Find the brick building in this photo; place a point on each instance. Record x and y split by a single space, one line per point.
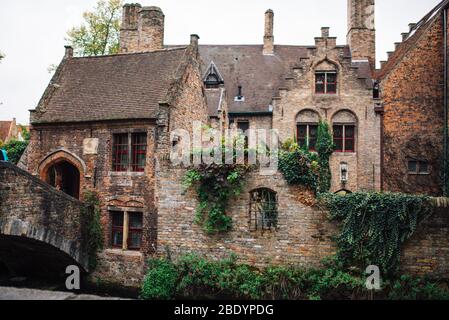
104 124
10 130
414 104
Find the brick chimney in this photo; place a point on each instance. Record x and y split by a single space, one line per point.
268 39
361 36
142 29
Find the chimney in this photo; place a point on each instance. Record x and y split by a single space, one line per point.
361 36
142 29
68 52
151 29
129 35
325 32
194 38
268 39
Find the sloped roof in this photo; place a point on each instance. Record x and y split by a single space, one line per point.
260 75
5 127
416 33
117 87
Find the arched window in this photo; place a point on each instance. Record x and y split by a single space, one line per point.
345 131
307 129
326 78
263 209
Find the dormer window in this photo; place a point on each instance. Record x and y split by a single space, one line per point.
326 82
212 78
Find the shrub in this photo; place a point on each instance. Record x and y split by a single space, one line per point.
160 281
15 150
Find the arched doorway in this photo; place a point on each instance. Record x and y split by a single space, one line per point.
64 176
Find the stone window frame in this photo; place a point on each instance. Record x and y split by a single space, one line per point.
130 165
326 82
354 122
308 123
125 228
256 215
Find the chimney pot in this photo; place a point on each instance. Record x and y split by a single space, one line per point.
325 32
68 52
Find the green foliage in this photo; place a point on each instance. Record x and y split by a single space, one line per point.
410 288
92 230
160 281
15 150
325 147
375 225
215 185
195 277
2 56
99 34
302 167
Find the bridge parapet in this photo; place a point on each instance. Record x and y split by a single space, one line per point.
32 209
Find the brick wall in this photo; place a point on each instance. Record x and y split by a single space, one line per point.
412 96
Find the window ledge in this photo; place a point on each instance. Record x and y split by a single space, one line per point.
125 253
125 174
419 174
342 154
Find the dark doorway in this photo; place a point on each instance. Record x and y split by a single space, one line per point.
65 177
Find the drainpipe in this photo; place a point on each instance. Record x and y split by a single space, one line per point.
446 164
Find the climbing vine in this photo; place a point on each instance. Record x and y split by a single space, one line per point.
215 185
311 169
92 230
374 226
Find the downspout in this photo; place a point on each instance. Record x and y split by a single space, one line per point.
445 157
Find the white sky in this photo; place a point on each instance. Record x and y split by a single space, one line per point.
32 33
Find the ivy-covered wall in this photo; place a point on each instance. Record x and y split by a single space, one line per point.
304 235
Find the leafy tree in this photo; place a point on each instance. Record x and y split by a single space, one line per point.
1 56
15 149
99 34
325 147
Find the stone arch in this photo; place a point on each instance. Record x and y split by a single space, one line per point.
69 160
326 64
345 116
71 250
308 116
306 128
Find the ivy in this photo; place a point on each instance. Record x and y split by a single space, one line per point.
215 185
92 230
15 150
375 225
311 169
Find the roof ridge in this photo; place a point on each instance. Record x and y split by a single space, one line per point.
131 53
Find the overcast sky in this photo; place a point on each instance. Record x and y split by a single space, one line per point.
32 33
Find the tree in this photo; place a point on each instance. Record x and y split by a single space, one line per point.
1 56
99 34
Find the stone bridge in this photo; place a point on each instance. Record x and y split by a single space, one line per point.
40 227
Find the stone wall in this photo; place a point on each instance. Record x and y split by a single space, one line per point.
125 191
412 95
39 213
303 236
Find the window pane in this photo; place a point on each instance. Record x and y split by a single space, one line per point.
423 167
313 135
349 131
320 82
120 152
135 220
331 78
349 145
139 151
412 166
135 240
331 88
117 219
302 135
338 131
117 238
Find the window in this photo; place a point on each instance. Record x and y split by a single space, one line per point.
326 82
120 151
128 146
307 135
344 138
263 210
418 167
212 77
130 237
